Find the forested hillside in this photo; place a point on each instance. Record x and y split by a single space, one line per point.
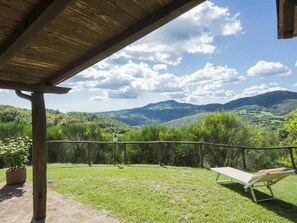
153 113
271 117
17 120
266 110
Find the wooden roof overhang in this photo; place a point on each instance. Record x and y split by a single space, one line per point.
43 43
286 18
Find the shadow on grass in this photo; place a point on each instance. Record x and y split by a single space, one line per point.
280 207
10 191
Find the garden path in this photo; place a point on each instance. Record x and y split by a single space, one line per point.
16 206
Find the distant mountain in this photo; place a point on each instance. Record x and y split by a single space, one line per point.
153 113
265 100
261 109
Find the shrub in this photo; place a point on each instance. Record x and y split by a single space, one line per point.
15 152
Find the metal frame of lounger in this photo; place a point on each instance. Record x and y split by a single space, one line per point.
267 179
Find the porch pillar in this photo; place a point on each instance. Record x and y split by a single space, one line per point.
39 157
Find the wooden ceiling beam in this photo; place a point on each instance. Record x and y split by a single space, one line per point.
42 14
20 86
140 29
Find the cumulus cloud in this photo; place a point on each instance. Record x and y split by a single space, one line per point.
75 86
126 93
206 97
133 79
114 82
176 95
193 32
98 98
165 83
273 83
260 89
264 68
211 74
158 67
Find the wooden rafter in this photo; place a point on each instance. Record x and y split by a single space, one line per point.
33 87
43 13
143 27
286 16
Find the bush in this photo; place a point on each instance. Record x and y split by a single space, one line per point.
15 152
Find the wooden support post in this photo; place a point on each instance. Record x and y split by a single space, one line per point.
243 158
39 157
292 159
125 154
89 154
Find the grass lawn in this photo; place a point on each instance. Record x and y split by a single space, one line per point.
143 193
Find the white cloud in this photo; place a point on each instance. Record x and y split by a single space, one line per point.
273 83
206 97
217 20
259 89
210 73
193 32
125 93
114 82
165 83
98 98
158 67
82 85
133 79
176 95
264 68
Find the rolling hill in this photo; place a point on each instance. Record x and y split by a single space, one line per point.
159 112
54 118
264 109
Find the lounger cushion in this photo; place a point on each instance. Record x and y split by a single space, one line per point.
276 170
262 173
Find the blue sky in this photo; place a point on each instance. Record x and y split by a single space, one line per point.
217 52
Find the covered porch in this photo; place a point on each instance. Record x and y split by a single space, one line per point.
44 43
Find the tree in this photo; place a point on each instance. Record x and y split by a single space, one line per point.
289 137
223 128
290 129
145 153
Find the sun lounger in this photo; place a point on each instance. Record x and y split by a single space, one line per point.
261 178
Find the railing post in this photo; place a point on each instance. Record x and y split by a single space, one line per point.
125 153
195 154
89 154
292 159
159 153
201 155
114 153
243 159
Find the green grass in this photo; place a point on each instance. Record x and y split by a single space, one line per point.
172 194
